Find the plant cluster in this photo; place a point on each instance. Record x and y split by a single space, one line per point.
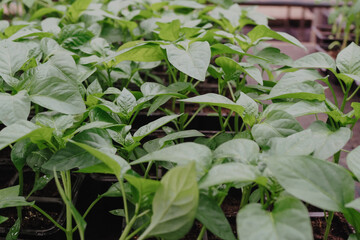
76 75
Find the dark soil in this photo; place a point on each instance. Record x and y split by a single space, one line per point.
32 219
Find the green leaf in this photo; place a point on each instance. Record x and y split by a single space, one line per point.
149 89
14 132
277 124
152 126
76 9
44 11
262 32
20 151
14 230
3 219
193 61
13 56
182 154
230 67
73 156
53 85
300 143
174 205
9 197
354 204
126 101
213 99
180 135
117 164
326 141
169 31
315 60
289 218
240 150
353 161
228 173
300 84
320 183
213 218
297 109
144 186
14 108
73 36
348 60
251 108
137 51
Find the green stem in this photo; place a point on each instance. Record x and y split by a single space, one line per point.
66 178
21 192
348 87
245 196
49 217
146 175
337 157
353 94
89 209
220 119
201 234
130 224
194 115
332 91
236 122
137 231
124 200
328 225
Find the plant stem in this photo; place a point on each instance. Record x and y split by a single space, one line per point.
194 115
124 200
146 175
21 190
220 119
348 87
337 157
130 224
49 217
66 178
328 225
353 94
245 196
332 91
201 234
236 122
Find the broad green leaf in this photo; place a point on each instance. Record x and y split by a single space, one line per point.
155 89
126 101
16 131
213 218
240 150
228 173
193 61
44 11
277 124
144 186
179 135
174 205
3 219
182 154
28 32
315 60
186 4
140 51
14 107
213 99
353 161
13 56
271 55
288 220
169 31
73 36
306 90
320 183
20 151
354 204
348 60
220 48
152 126
230 66
251 108
298 109
53 86
261 32
14 231
300 143
326 141
117 164
9 197
76 9
51 25
73 156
